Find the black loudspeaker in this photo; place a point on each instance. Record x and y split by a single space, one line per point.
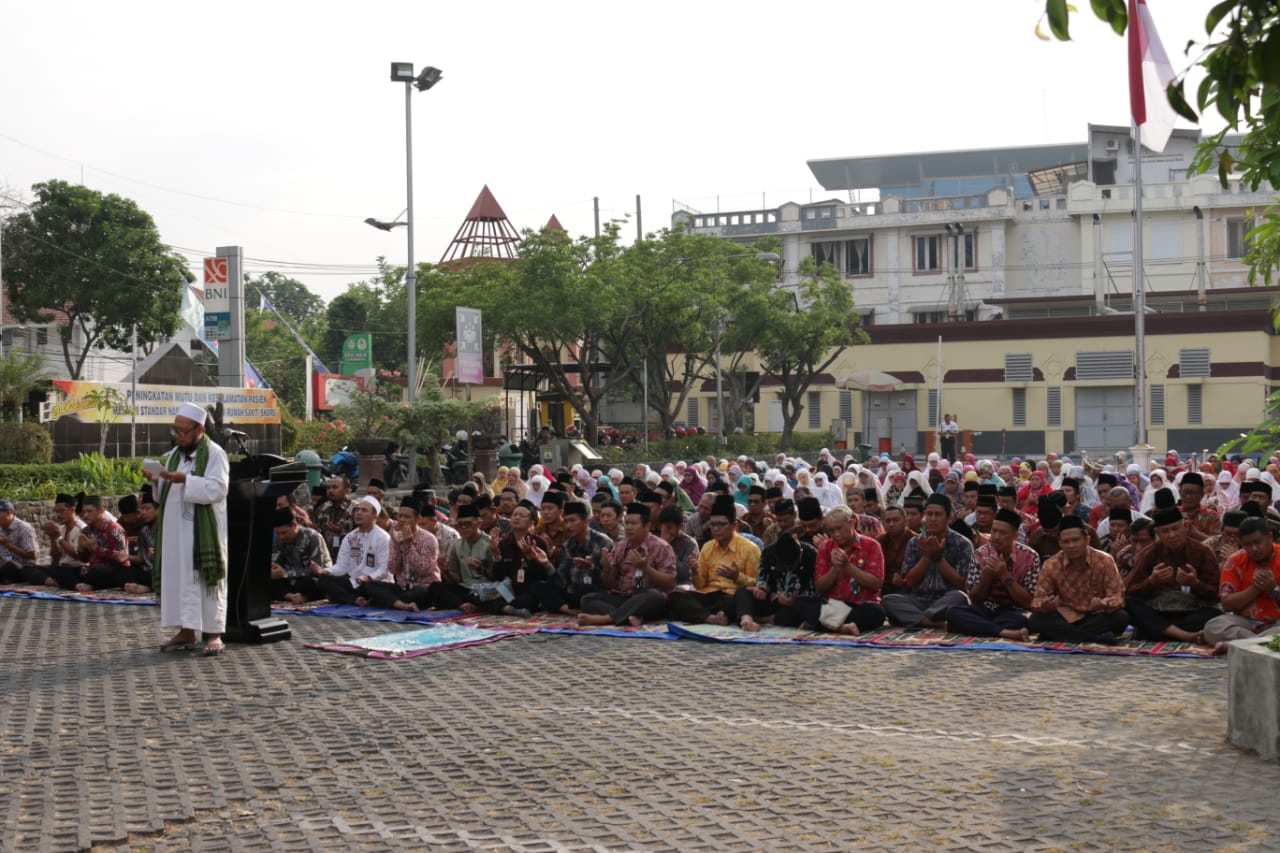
251 503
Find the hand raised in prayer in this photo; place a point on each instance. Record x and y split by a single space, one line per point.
1096 604
120 556
898 579
536 554
727 572
52 529
759 592
1162 574
1186 575
582 562
931 546
277 572
316 568
1264 580
839 560
635 558
818 539
993 567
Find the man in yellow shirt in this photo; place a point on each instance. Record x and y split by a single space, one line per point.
726 564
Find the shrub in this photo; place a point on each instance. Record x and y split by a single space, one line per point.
324 437
25 444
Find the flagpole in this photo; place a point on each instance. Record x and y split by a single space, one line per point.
1139 294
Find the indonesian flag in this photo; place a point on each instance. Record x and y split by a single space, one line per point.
1149 76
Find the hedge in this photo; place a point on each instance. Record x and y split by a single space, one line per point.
24 444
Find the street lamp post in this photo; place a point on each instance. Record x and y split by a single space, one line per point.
402 72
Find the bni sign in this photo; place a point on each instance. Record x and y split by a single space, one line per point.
217 300
470 346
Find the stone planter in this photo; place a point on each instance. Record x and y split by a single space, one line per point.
1253 697
371 449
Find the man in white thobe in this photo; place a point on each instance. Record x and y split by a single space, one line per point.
186 601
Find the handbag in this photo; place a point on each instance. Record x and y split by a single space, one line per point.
834 613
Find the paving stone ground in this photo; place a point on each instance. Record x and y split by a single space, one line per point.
549 743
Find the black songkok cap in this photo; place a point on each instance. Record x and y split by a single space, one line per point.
282 517
786 506
1166 517
871 494
637 508
481 501
1107 479
725 506
809 508
128 504
415 503
91 500
972 486
786 551
554 497
943 501
1070 522
772 492
468 511
1191 478
1010 518
1233 517
1265 488
1120 514
987 501
375 483
758 490
988 489
1008 492
578 508
1165 499
1049 514
1072 482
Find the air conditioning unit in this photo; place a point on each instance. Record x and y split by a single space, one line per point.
1113 145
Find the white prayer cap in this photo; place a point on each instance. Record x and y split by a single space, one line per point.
192 412
373 502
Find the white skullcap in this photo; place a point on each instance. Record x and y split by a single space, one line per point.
373 502
192 412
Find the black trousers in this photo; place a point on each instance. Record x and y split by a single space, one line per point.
21 571
1150 624
648 605
338 589
545 595
868 616
801 610
451 596
1092 628
977 620
687 606
305 586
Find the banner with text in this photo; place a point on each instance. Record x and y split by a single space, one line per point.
158 404
470 346
217 300
357 352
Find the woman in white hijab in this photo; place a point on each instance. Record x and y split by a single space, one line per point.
915 480
538 487
1228 492
778 479
867 479
1156 480
826 493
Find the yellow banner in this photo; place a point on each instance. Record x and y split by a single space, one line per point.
157 404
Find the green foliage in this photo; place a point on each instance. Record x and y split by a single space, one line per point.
288 433
20 374
431 421
25 443
763 445
109 404
324 436
279 357
289 296
99 259
370 413
90 474
1241 81
1262 439
376 306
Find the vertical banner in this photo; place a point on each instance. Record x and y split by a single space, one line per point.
470 346
357 353
217 300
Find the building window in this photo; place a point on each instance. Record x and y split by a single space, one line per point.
693 413
1053 406
970 315
1018 367
1238 242
1104 364
857 256
815 410
846 406
1195 411
1193 363
825 252
926 254
1019 407
934 419
965 249
42 336
1157 405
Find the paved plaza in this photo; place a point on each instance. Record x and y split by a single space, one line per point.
546 743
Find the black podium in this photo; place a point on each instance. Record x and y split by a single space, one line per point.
251 502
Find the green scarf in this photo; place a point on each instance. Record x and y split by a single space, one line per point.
207 555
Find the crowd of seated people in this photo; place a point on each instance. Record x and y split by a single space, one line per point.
1184 552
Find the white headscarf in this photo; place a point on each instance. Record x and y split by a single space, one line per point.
915 480
1149 495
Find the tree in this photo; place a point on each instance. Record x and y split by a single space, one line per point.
431 421
376 306
109 404
800 332
20 374
1242 82
278 356
289 296
97 259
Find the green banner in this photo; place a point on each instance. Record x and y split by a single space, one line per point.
357 353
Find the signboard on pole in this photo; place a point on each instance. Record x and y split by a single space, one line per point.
357 353
470 346
217 300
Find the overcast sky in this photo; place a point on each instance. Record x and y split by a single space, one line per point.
275 126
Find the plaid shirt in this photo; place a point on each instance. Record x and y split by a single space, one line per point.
110 538
658 554
335 513
1077 588
417 562
571 577
23 535
1024 566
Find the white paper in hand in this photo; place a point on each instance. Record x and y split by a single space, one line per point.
152 466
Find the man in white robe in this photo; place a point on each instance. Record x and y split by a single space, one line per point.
187 602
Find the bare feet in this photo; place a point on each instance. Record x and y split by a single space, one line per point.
746 623
136 589
83 587
405 605
295 598
594 619
1220 649
50 582
1022 635
361 601
849 629
717 619
636 621
567 610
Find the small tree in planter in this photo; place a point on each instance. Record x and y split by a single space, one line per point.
430 421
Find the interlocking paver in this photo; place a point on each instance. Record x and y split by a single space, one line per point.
580 743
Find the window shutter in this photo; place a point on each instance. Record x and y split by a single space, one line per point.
846 406
1104 364
1194 400
933 407
693 412
1053 407
1018 367
1019 406
1157 405
1194 363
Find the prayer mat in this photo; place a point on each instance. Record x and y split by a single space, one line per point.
401 645
559 623
366 614
898 638
53 593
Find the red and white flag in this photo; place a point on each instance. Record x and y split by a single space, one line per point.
1149 76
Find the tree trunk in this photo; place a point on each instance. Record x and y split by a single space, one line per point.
791 411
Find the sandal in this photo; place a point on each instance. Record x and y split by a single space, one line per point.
211 649
177 644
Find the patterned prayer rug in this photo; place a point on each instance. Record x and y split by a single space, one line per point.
898 638
53 593
401 645
558 623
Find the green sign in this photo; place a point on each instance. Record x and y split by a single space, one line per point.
357 353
